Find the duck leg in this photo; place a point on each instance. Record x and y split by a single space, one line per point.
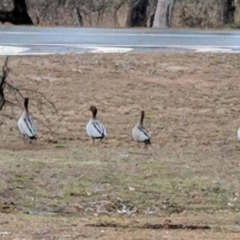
100 140
24 138
146 146
93 141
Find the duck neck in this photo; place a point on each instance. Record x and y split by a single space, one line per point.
94 113
26 105
142 117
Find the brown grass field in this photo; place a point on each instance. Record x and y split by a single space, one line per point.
185 187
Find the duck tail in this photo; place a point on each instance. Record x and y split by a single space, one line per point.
147 142
33 137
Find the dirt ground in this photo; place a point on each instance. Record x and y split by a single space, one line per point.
61 187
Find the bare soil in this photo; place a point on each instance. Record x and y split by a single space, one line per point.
185 187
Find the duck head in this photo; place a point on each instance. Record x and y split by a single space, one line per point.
93 109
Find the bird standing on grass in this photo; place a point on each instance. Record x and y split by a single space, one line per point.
26 123
94 128
140 133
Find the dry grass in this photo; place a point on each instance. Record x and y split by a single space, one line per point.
190 176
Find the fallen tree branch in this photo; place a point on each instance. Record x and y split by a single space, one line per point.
5 72
13 95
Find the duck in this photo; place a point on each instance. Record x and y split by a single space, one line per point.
26 124
140 133
94 128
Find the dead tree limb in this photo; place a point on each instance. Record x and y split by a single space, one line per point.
13 95
3 78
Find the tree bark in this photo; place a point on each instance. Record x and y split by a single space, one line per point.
163 14
19 14
78 17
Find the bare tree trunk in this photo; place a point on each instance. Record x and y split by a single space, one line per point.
78 17
19 14
151 8
163 14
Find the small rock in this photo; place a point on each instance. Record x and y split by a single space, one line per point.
131 188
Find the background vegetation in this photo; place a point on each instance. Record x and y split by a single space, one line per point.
113 13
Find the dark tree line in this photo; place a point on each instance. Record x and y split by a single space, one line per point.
142 13
228 11
138 14
18 15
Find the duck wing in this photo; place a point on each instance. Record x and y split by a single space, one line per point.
29 127
100 128
144 131
32 123
95 129
26 126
